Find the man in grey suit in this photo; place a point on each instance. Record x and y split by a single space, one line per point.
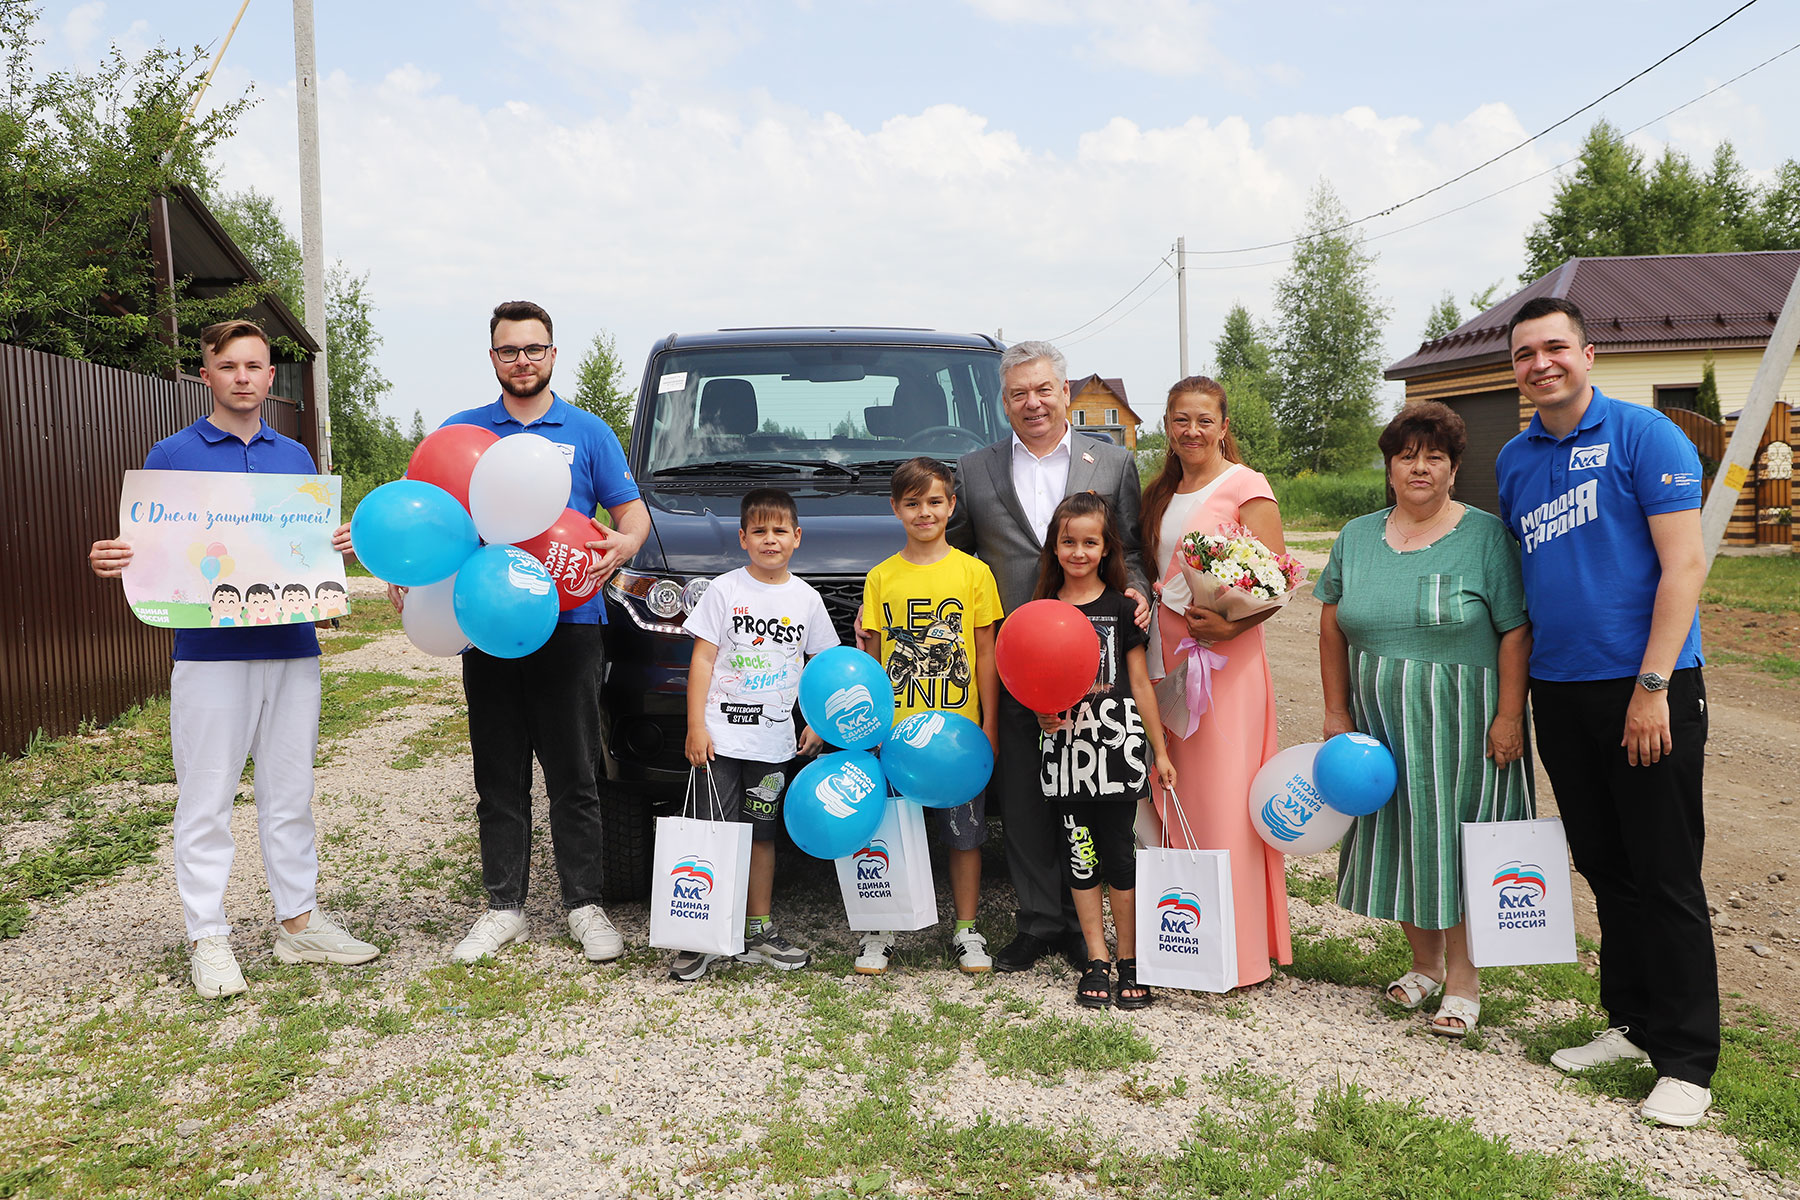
1005 494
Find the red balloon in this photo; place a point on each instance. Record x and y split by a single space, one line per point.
447 456
1048 655
563 550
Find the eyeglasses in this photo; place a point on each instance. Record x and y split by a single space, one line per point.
534 352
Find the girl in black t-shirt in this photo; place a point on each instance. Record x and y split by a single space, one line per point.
1093 756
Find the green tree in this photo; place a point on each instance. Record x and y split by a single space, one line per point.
1445 316
1244 368
1151 441
1327 344
1706 400
1253 427
1777 218
367 445
600 386
81 155
1612 205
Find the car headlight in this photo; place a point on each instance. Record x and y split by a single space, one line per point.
657 602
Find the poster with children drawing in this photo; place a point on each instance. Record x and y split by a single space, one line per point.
227 550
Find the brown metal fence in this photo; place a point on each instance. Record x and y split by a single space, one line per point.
70 650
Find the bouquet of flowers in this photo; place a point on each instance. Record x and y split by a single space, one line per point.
1234 575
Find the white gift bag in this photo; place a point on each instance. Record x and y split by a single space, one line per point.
1186 929
1516 902
887 884
700 879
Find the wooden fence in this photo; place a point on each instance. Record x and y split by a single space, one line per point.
1763 514
70 650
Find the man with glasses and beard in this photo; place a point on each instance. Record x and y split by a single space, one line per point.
547 702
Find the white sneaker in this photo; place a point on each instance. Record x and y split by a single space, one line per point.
215 968
970 949
1609 1045
1676 1102
322 941
598 939
877 948
495 928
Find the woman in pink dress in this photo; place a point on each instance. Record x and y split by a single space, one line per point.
1204 484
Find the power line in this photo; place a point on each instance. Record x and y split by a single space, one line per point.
1161 262
1096 333
1435 216
1551 170
1392 208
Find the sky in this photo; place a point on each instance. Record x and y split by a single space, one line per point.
999 166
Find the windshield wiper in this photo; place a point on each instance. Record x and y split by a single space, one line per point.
891 464
738 466
757 466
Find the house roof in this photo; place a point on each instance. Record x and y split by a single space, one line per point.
1115 386
1644 302
212 264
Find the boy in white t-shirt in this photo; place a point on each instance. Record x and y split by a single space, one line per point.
753 630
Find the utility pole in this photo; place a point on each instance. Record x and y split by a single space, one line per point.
1181 300
312 233
1739 453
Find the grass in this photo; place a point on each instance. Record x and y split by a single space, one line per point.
1327 501
1782 666
92 849
1763 583
446 735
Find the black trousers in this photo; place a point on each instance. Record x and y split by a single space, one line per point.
1637 834
1033 835
547 703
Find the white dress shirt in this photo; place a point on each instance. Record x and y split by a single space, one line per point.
1041 482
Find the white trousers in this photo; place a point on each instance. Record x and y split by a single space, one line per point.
220 713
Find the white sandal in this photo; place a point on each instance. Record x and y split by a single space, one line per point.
1456 1008
1416 986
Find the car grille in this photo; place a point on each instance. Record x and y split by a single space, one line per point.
842 595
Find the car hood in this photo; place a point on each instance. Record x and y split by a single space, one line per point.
842 532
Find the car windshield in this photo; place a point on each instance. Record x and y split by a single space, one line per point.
807 408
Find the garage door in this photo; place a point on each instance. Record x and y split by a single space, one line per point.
1493 420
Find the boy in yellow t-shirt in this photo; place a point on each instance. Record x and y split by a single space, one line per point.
930 611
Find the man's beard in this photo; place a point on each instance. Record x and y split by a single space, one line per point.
512 389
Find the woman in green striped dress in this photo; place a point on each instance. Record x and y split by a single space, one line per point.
1423 644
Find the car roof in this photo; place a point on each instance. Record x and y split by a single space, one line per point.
814 335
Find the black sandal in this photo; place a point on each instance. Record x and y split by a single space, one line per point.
1094 988
1128 980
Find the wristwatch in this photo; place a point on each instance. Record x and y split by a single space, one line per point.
1650 681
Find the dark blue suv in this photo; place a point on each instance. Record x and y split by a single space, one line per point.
826 414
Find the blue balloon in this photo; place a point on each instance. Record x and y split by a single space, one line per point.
834 805
412 533
505 601
939 759
847 699
1355 774
209 567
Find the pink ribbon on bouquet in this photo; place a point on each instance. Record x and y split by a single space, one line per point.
1203 660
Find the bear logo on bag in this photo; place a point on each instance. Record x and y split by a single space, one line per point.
691 889
1519 896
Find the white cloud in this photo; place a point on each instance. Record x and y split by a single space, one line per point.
600 40
1163 37
82 26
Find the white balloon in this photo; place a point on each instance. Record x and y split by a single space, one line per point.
430 619
1286 808
519 487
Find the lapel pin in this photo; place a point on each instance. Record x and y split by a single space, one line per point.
1086 457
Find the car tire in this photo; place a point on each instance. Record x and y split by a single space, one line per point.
627 833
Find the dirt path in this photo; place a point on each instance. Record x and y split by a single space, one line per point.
1752 792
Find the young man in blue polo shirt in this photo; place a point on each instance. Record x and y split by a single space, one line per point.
1604 498
237 692
547 702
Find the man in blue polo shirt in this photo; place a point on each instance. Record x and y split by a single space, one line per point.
549 700
1604 498
236 692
